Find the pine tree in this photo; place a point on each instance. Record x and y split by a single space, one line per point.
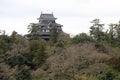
97 30
53 33
33 30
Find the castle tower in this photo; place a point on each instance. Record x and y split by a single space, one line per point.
45 22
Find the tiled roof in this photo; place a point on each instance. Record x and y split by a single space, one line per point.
47 16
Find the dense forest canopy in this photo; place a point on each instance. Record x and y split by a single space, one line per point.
84 57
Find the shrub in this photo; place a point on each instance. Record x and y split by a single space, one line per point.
108 74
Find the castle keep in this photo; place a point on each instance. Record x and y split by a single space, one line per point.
46 22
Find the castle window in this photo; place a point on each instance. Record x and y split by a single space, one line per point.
43 30
42 26
47 30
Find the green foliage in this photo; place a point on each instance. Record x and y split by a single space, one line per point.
17 38
23 73
13 36
83 57
109 74
6 38
3 46
91 77
33 30
113 34
60 44
117 77
96 30
53 34
81 38
4 41
100 48
37 49
17 59
29 60
110 34
35 45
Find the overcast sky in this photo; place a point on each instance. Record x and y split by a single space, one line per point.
74 15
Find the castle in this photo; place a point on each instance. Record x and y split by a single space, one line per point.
45 22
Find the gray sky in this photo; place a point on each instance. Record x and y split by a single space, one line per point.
74 15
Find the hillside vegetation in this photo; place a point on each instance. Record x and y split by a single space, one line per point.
83 57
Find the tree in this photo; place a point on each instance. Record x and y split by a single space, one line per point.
17 59
53 33
37 49
23 73
33 30
82 37
108 74
113 36
3 46
117 29
17 38
117 33
97 30
13 36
